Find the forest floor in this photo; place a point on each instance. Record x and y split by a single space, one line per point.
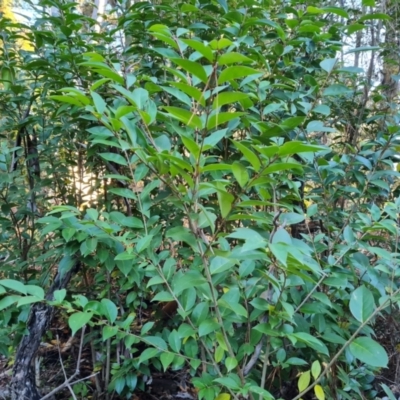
57 362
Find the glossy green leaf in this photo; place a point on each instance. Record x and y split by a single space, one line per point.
315 369
304 381
143 243
240 173
28 300
369 352
294 147
328 64
114 157
228 98
225 201
185 116
208 326
77 320
166 360
230 363
362 303
13 285
147 354
204 50
232 58
110 310
249 155
109 332
236 72
174 341
192 67
221 118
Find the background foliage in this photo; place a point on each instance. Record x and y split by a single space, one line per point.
226 181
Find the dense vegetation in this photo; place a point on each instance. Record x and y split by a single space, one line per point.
203 185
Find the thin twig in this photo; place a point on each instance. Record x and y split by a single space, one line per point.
63 370
67 382
265 365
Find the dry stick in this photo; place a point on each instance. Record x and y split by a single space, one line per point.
337 355
67 382
265 365
96 379
63 369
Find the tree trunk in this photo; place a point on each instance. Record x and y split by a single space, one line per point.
23 385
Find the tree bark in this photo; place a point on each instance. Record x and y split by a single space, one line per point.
23 385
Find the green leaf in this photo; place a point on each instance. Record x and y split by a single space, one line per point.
236 72
207 327
388 392
248 155
328 64
147 354
78 320
67 99
192 67
336 10
191 145
123 192
109 310
368 17
221 118
240 173
125 256
322 109
59 295
174 341
310 341
360 50
220 264
228 98
143 243
362 304
230 363
204 50
166 359
35 291
187 280
225 201
183 97
13 285
187 117
163 296
113 157
319 392
281 167
369 352
232 58
315 369
304 381
180 233
190 91
214 139
337 90
291 218
109 331
27 300
294 147
156 341
264 394
99 103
